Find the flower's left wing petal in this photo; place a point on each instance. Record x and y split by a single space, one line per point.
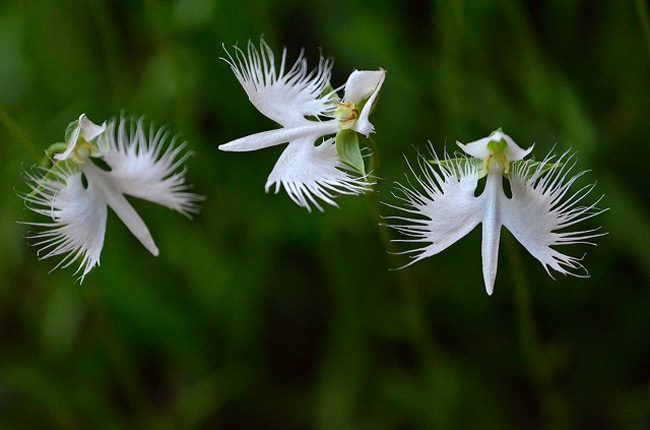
542 207
285 96
78 217
440 207
308 172
143 165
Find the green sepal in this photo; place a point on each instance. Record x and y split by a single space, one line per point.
349 151
497 146
52 150
498 130
461 164
68 131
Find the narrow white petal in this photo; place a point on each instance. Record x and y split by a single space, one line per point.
539 210
78 217
440 208
103 185
311 173
266 139
493 199
365 85
71 142
286 97
143 165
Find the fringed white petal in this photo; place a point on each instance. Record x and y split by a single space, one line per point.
143 165
542 205
266 139
78 217
440 207
285 96
309 173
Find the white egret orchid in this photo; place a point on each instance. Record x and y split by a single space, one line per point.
307 108
77 190
445 208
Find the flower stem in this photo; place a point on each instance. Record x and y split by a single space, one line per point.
17 133
540 369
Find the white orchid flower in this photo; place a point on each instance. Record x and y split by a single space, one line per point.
76 192
445 208
306 107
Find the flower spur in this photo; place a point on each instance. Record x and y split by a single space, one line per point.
76 192
307 108
444 208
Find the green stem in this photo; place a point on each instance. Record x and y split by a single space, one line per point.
17 133
540 369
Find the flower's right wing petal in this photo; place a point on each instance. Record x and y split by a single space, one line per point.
286 97
146 166
266 139
540 211
78 217
308 172
440 208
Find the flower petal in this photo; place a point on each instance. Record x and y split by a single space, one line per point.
539 208
308 172
90 130
479 148
87 129
103 184
266 139
78 216
144 166
440 207
492 200
360 86
286 97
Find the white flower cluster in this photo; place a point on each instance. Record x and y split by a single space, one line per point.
326 154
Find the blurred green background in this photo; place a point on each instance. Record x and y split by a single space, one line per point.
260 315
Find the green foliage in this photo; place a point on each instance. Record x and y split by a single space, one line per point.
260 315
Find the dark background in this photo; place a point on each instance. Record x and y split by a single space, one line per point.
260 315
